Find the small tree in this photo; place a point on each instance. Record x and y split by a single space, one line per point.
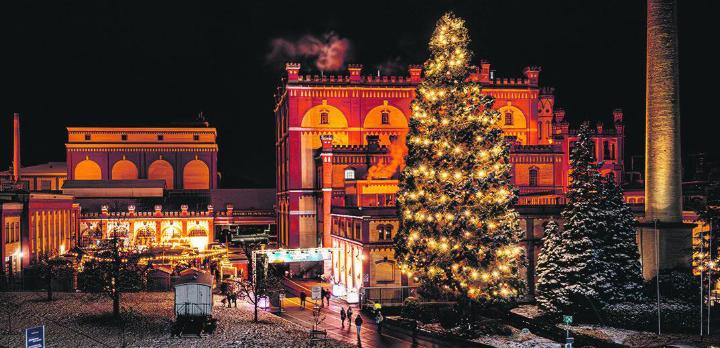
619 246
265 284
550 281
50 268
113 271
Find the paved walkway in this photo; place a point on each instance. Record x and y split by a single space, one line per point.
369 336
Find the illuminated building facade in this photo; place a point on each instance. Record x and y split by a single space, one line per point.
34 225
151 187
340 144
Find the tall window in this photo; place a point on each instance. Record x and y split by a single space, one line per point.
324 117
508 118
540 129
385 117
533 175
349 174
384 232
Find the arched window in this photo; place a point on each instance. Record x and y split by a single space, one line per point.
384 232
162 170
124 170
196 175
349 174
324 117
87 170
508 118
533 176
385 117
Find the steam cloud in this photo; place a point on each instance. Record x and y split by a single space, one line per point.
383 170
329 51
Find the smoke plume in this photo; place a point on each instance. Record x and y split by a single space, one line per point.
383 170
328 52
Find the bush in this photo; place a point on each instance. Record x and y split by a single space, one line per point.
426 312
448 317
410 308
675 316
679 285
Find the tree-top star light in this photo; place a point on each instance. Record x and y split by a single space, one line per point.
458 230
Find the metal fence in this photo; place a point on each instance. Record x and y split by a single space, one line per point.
386 296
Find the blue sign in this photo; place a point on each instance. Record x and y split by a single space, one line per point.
35 337
280 256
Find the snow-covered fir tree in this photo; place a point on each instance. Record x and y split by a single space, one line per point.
619 246
580 268
458 229
550 282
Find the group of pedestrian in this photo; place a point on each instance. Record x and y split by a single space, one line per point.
324 296
231 294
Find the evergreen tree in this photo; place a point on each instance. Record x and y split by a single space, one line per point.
458 230
551 294
579 258
620 250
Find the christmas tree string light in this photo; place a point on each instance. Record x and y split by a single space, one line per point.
458 230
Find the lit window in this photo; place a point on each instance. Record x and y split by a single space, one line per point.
349 174
540 126
385 117
508 118
533 176
384 232
324 117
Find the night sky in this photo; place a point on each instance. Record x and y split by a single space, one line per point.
76 63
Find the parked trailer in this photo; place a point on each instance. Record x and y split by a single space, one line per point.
193 303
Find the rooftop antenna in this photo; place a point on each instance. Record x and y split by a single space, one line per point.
201 116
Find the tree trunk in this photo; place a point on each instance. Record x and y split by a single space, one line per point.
49 289
256 305
116 304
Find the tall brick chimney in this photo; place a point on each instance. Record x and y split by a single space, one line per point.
16 147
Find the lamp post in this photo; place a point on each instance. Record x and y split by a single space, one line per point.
701 267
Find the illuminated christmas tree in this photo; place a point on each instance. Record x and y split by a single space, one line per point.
458 230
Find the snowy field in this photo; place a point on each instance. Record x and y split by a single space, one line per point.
83 320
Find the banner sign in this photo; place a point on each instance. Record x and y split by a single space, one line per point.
35 337
281 256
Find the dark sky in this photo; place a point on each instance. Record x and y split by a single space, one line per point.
149 63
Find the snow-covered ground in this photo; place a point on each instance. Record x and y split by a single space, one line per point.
82 320
518 339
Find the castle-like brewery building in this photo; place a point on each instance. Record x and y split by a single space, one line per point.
340 146
154 188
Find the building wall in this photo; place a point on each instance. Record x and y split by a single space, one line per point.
349 109
144 153
53 223
10 249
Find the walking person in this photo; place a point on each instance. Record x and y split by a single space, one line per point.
349 316
342 317
358 324
379 321
322 297
327 296
303 296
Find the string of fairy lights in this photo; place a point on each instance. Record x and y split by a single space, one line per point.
458 228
